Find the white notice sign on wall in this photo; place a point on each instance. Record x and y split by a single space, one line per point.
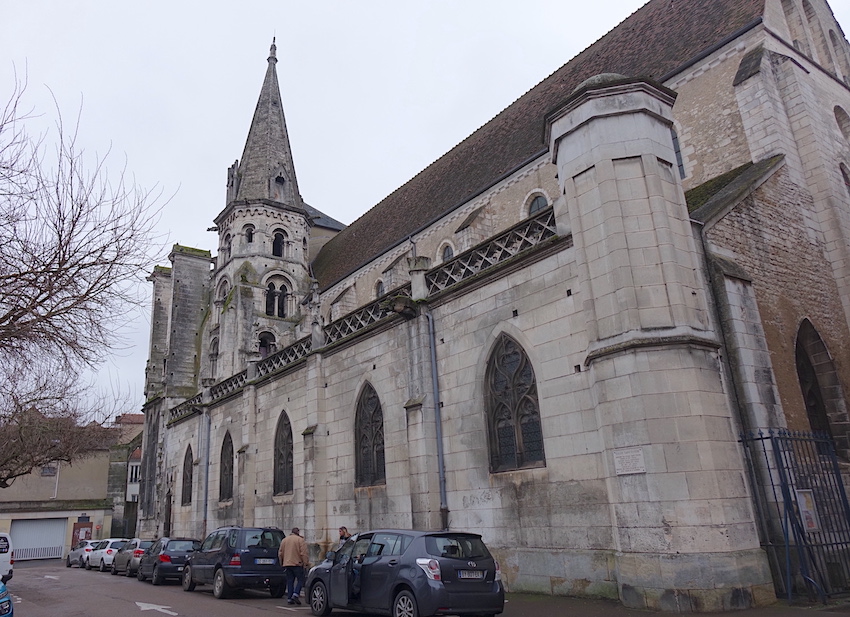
629 460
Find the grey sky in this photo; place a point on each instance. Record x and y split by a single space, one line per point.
373 91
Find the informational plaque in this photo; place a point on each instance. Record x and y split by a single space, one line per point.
629 460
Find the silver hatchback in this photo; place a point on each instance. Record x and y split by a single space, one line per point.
126 560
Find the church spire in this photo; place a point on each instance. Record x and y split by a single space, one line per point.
266 170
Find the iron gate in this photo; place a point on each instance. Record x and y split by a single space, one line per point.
802 510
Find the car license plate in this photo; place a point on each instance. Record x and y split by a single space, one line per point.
264 562
472 574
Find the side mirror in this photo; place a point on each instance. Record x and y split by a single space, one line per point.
330 556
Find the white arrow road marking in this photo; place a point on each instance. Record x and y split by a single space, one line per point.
153 607
54 578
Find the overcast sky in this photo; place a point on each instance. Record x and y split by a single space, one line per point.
373 91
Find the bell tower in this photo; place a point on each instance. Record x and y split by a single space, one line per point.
261 271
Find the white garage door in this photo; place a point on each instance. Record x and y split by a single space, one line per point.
39 538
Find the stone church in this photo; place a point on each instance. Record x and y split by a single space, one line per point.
608 330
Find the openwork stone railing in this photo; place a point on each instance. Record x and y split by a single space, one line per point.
527 234
514 241
229 385
285 356
185 409
361 318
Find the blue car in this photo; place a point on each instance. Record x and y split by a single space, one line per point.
6 607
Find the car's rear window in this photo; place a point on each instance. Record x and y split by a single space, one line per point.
117 543
263 538
182 545
456 546
146 544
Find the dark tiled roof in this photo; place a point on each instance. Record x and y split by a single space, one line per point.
657 39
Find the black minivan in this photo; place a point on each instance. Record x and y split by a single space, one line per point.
407 573
237 558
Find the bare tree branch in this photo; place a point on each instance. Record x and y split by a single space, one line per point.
75 247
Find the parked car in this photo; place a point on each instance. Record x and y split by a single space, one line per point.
408 574
165 559
103 553
7 607
237 558
79 553
7 558
127 558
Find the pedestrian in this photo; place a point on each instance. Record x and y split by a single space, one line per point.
294 558
343 536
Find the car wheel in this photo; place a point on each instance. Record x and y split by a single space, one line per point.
68 561
220 587
112 570
404 605
188 583
156 576
319 604
278 590
101 567
88 565
139 575
128 572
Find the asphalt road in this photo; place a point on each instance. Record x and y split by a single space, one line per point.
49 589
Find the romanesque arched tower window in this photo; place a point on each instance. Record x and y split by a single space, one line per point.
283 457
249 233
369 439
513 413
279 243
276 300
186 488
225 480
267 344
447 253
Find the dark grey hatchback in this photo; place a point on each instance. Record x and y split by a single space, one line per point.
408 574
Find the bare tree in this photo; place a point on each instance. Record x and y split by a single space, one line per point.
75 246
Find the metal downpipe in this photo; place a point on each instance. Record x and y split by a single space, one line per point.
438 420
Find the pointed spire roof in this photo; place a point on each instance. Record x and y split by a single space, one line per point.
266 170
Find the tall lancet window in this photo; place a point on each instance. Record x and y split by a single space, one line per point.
225 478
369 439
513 413
283 457
188 468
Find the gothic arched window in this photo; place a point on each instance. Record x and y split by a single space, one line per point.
283 458
225 482
379 289
369 439
186 489
513 412
213 357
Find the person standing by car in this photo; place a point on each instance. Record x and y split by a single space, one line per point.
343 536
294 558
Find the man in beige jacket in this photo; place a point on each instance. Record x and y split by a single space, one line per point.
294 558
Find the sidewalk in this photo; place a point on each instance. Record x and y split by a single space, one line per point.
532 605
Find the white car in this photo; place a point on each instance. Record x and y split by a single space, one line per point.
79 554
7 557
103 553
